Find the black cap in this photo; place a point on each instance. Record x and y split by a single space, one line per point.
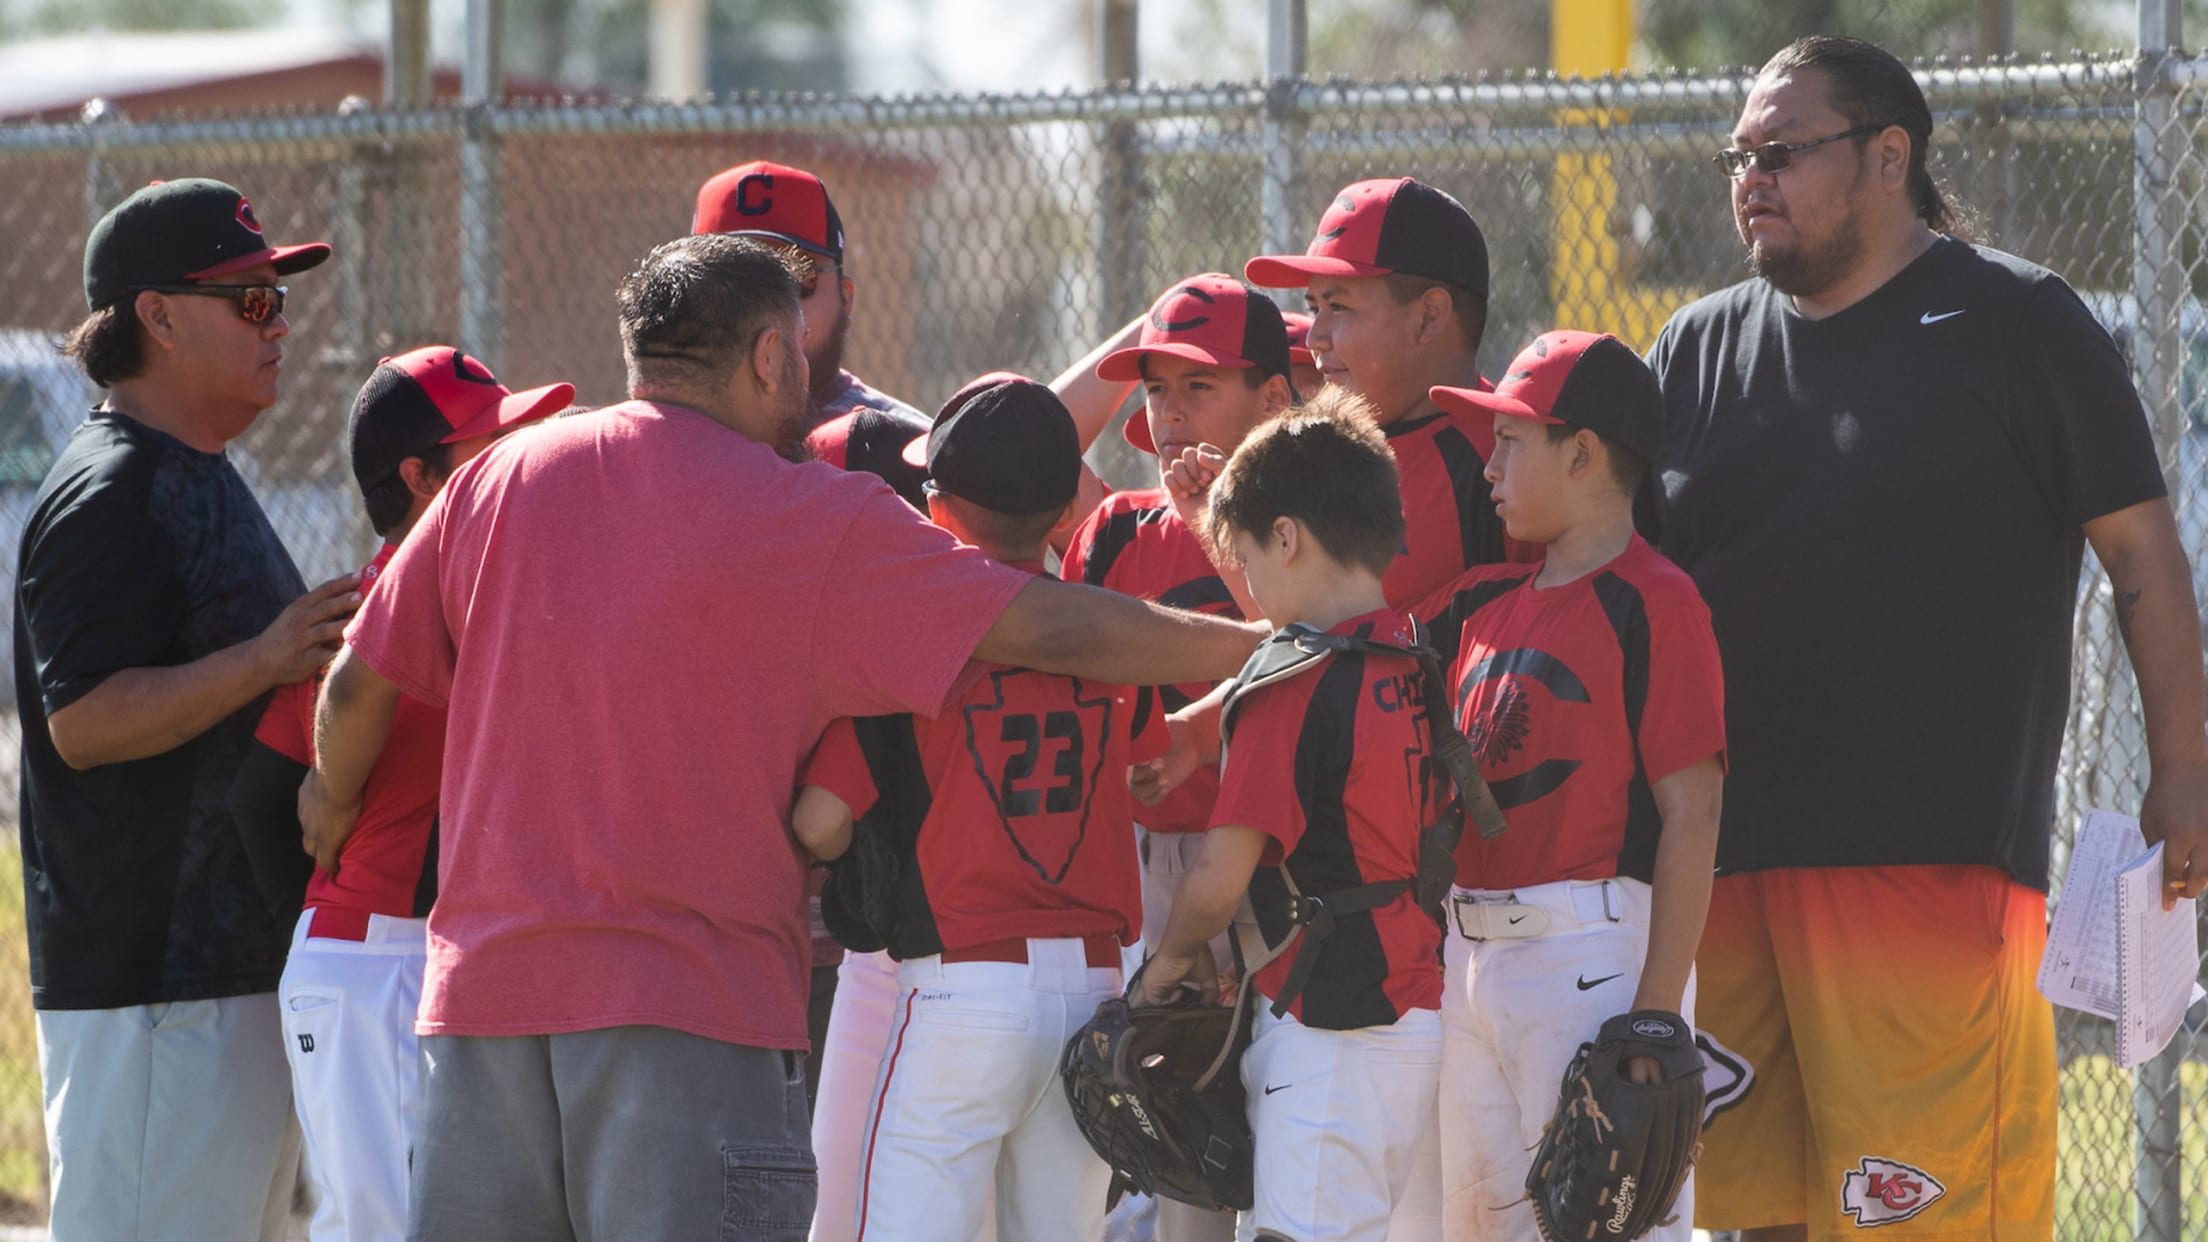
1003 442
173 231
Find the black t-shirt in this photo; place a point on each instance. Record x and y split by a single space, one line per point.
1882 510
139 552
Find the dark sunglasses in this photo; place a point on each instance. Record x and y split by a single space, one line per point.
811 284
1771 157
255 303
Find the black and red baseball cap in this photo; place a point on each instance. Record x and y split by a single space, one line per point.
169 232
1578 379
774 202
431 396
1375 228
1299 331
1213 319
1005 443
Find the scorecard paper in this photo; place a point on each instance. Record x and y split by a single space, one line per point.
2111 950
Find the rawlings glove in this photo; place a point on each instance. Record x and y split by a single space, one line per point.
1614 1156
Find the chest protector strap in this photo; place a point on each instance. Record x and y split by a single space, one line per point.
1299 649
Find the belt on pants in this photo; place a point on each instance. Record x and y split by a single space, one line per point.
1564 906
1102 952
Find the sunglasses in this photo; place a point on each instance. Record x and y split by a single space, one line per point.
1771 157
811 284
255 303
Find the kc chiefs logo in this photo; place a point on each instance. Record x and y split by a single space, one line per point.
1878 1191
1040 768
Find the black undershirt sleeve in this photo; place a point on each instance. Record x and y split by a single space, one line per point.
264 801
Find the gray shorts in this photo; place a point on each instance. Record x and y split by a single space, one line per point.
634 1132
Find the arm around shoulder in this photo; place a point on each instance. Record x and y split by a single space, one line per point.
1058 627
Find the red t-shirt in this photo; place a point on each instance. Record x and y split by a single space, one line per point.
1331 765
1137 545
389 865
1024 826
1578 699
629 617
1449 516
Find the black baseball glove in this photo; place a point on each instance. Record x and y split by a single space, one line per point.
1614 1156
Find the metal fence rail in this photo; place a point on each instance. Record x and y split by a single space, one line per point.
1015 231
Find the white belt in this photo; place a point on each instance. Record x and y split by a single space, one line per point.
1522 914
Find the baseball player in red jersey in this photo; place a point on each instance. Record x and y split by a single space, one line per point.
1213 358
353 980
1020 884
1324 789
1590 690
1397 285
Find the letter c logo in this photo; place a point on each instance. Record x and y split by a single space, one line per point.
748 204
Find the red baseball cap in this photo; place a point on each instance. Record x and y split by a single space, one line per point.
771 201
1299 331
1374 228
1213 319
1578 379
436 395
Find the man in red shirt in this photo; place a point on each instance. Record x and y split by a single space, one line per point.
628 617
353 979
1396 280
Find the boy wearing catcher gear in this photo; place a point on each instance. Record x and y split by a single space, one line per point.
1324 788
1017 885
353 980
1589 687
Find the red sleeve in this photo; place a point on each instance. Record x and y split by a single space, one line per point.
1075 562
1257 784
1684 720
1148 738
945 597
400 630
839 766
287 726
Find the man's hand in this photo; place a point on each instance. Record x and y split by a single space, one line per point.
1155 778
1188 480
324 823
1167 976
307 633
2175 813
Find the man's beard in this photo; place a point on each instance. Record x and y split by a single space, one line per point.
794 420
1807 271
827 360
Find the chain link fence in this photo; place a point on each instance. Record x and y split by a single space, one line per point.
1016 231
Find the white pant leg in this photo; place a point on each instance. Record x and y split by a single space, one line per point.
1167 858
1337 1116
1515 1015
169 1121
348 1012
850 1063
973 1059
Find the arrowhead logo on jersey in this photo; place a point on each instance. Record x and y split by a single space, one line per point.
1878 1191
1039 759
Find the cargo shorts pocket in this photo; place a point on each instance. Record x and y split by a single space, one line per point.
767 1193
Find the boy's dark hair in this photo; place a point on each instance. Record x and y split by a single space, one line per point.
1870 86
1324 463
1627 468
108 346
1011 533
1471 308
388 501
696 304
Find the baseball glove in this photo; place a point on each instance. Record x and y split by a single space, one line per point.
1158 1093
1614 1156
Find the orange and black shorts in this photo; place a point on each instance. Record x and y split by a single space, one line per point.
1879 1054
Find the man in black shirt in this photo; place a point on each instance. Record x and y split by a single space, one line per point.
154 611
1884 458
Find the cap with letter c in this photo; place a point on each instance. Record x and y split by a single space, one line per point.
1375 228
193 228
1212 319
430 396
772 202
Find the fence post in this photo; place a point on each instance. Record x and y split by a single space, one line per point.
2159 287
482 253
1286 49
1124 204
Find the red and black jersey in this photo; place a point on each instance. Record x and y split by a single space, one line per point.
389 865
1577 699
1019 823
1448 509
1333 766
1137 545
873 439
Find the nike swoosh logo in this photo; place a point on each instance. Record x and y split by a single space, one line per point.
1516 921
1282 1087
1585 983
1928 317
